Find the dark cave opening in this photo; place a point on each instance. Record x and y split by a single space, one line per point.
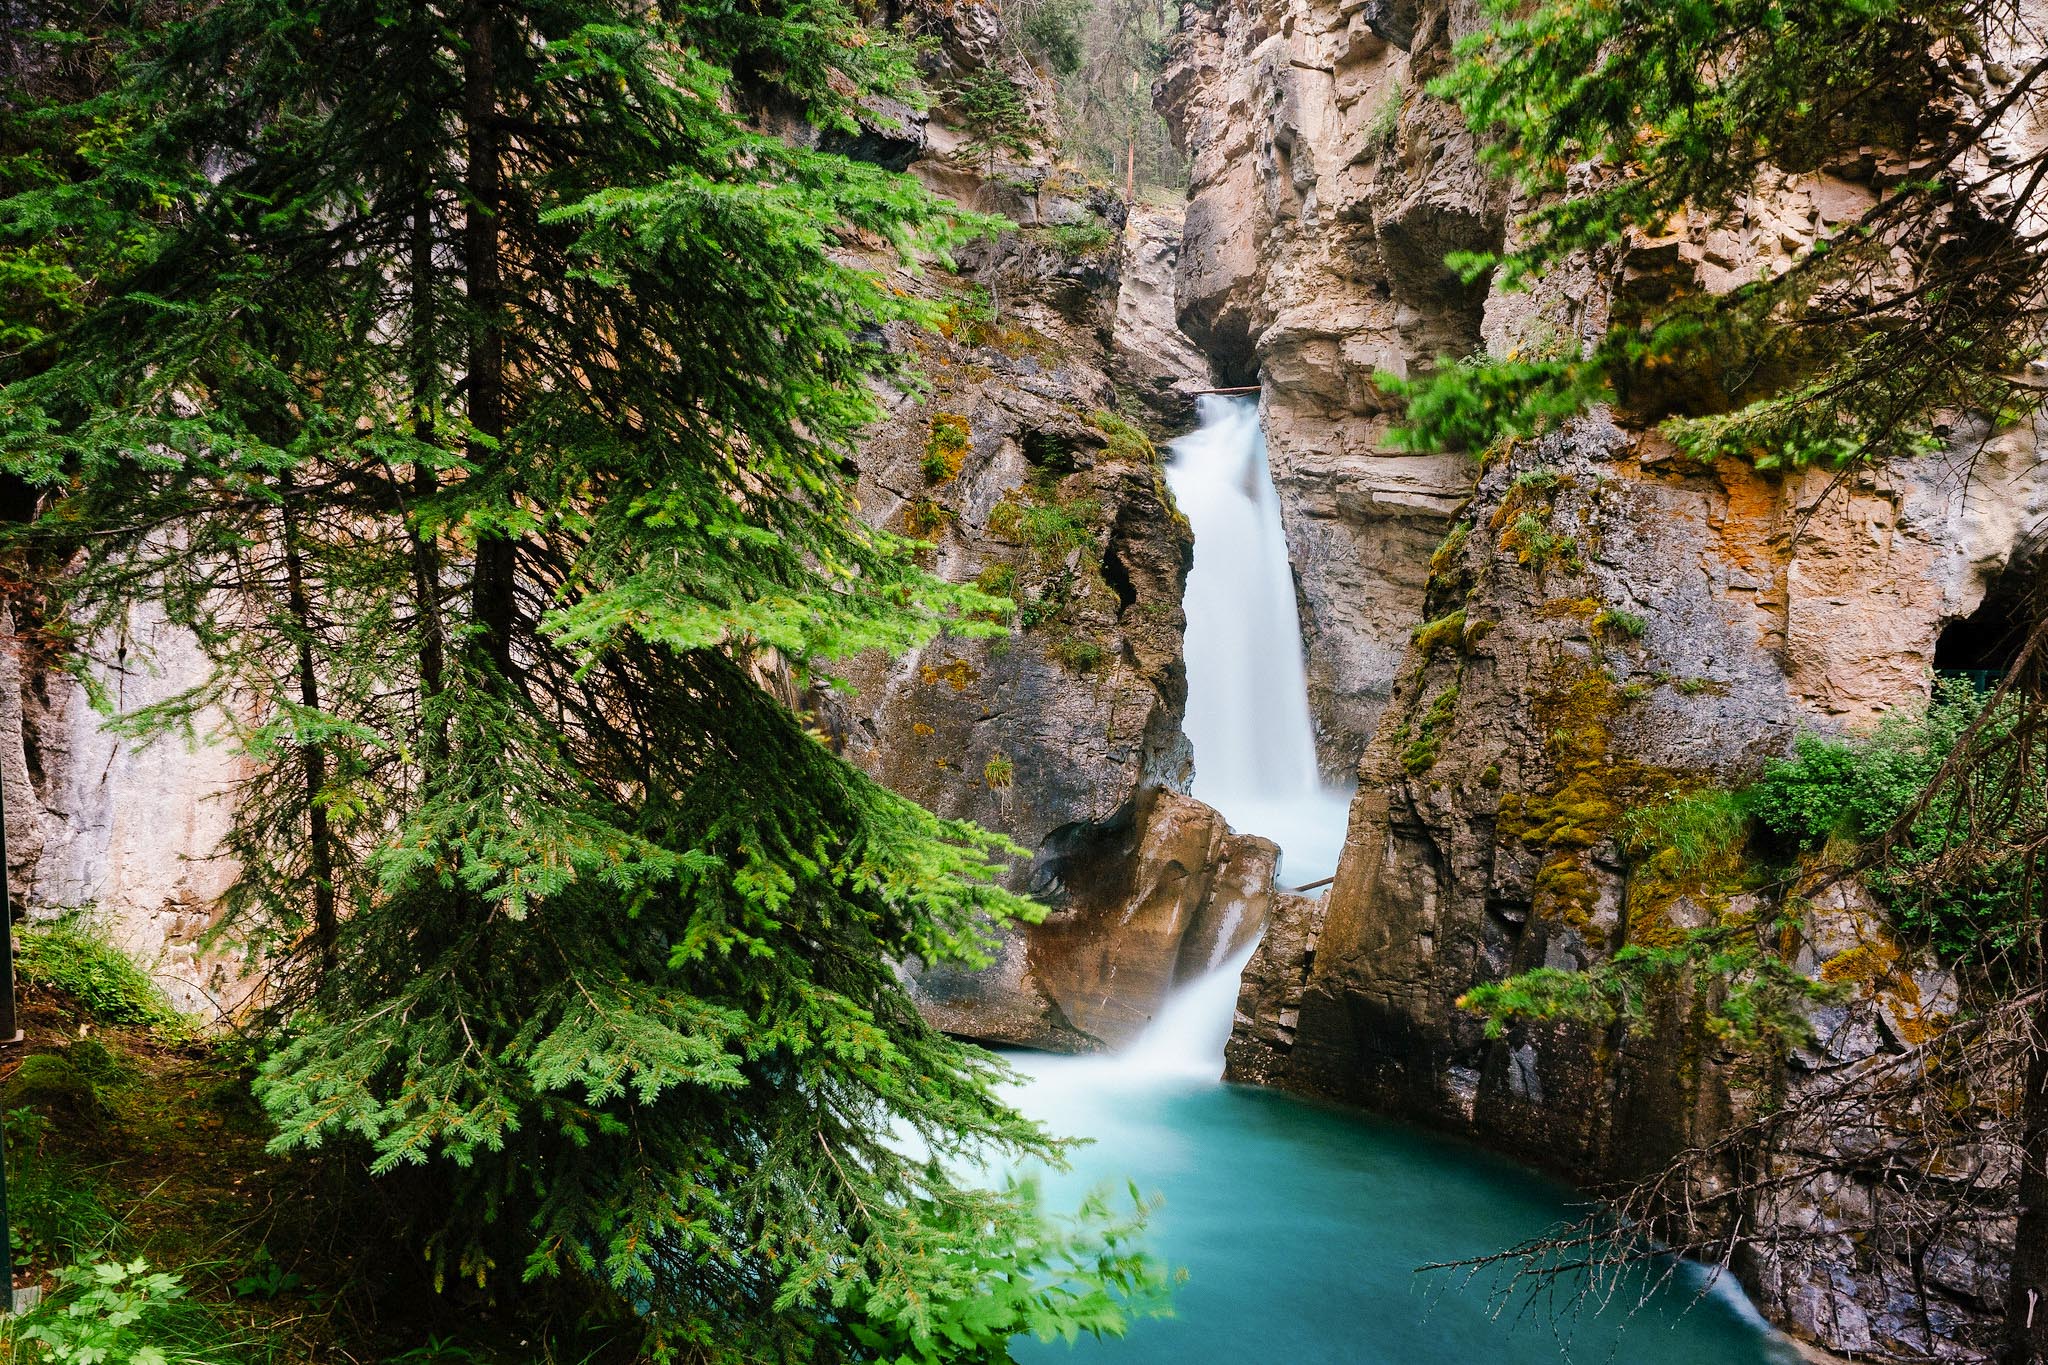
1986 643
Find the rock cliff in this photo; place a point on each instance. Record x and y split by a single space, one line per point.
1514 655
1027 464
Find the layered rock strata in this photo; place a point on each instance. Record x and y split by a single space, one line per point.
1514 656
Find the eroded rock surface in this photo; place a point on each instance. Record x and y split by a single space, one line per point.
1517 654
1027 464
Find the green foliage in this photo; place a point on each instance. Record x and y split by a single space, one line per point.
1082 656
1127 441
1856 790
1625 116
1050 528
1474 404
1085 1276
1617 623
71 956
1764 1001
1088 237
115 1313
999 772
994 116
1053 30
1385 120
56 1211
1698 829
1534 542
485 476
945 449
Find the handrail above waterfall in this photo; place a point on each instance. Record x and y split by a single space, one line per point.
1241 388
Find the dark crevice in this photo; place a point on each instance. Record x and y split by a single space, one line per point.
1984 644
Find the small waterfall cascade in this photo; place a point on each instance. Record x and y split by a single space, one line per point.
1247 712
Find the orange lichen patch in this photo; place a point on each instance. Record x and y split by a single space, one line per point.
1876 969
1569 608
958 675
1748 528
921 730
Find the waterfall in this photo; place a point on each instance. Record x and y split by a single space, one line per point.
1247 711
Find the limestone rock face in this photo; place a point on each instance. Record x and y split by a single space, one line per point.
1158 898
1680 628
1325 195
1024 465
127 836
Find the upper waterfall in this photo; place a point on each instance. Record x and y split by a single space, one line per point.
1247 710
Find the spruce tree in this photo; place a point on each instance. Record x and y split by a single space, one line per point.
477 384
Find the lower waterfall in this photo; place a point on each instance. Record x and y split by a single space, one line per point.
1302 1227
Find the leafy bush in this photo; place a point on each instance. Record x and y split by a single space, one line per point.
70 957
111 1313
1855 790
1065 1278
1082 656
1385 119
1084 238
1470 405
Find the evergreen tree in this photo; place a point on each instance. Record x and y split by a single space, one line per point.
477 385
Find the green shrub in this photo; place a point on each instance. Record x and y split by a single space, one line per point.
1082 656
70 957
1385 119
1616 624
1855 790
1700 828
111 1313
1084 238
999 772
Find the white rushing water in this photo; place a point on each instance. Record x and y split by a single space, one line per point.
1247 712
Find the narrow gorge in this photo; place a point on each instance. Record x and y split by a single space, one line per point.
1393 813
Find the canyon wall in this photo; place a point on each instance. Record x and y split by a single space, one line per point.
1511 656
1027 462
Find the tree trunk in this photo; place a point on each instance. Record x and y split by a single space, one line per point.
320 849
496 559
426 556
